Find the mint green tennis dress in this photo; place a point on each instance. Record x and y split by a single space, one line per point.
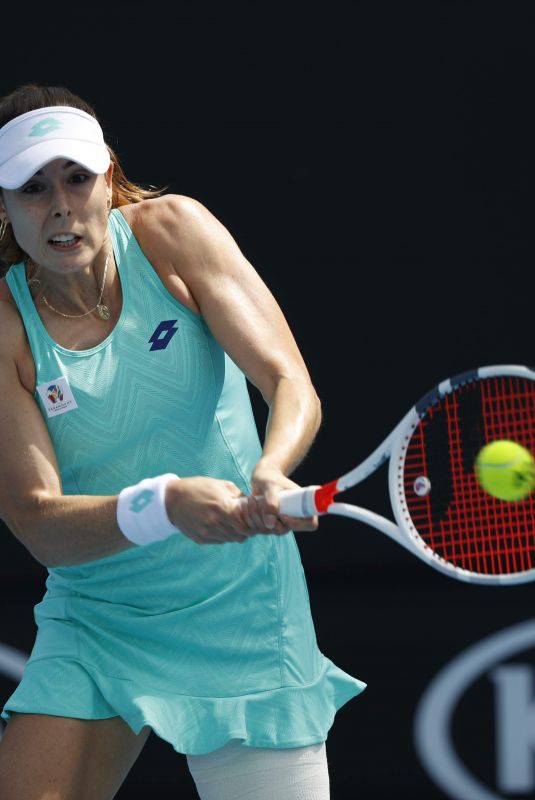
203 643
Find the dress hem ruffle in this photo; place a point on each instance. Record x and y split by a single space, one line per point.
285 717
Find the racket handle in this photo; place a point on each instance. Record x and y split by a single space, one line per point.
295 502
298 502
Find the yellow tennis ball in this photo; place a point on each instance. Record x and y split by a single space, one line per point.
506 470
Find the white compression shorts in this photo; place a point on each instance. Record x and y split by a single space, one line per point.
235 772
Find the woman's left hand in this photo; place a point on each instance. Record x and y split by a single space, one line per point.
262 508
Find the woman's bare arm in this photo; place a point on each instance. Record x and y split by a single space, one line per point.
53 527
247 321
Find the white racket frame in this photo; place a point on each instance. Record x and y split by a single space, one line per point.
300 502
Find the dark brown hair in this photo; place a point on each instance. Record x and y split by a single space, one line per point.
30 97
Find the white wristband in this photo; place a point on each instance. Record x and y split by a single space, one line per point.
141 512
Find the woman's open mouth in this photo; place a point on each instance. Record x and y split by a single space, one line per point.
66 241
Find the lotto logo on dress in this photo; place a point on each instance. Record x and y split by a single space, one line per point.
163 334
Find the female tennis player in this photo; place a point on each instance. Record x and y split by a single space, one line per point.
129 323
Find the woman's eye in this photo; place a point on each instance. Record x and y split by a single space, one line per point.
31 188
34 188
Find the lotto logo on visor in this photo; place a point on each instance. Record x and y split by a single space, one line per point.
44 127
32 140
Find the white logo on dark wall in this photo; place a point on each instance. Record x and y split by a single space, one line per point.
12 663
512 687
515 727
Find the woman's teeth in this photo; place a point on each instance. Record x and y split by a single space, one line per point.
64 240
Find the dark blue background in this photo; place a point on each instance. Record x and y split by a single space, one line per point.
374 162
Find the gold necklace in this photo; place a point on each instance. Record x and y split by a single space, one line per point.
103 310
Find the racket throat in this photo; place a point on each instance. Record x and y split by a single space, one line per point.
307 501
324 496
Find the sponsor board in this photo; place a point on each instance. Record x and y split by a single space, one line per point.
503 661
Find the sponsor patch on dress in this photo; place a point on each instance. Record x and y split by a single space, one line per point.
57 396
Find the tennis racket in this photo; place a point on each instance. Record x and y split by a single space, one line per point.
441 513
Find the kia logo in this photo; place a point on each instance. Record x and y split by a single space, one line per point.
12 663
514 717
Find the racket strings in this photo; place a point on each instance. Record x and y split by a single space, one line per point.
457 519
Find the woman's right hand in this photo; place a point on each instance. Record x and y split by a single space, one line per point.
205 510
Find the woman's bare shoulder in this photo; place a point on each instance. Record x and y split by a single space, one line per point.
159 210
157 225
13 341
5 293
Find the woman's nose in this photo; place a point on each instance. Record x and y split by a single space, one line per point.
60 204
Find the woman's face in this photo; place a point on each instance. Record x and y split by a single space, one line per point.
63 200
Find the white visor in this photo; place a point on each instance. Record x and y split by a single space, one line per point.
31 140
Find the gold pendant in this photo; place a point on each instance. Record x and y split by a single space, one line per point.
103 311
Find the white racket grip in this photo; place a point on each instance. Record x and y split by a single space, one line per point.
298 502
294 502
